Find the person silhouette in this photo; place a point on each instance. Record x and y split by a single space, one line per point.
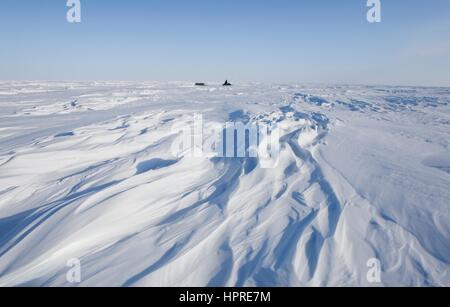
226 83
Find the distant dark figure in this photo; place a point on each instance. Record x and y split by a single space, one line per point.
226 83
200 84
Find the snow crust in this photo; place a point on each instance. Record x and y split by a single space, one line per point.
86 172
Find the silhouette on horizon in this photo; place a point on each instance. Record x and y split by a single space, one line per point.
226 83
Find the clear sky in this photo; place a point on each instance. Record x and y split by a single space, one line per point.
324 41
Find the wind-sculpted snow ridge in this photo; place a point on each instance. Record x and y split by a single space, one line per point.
87 171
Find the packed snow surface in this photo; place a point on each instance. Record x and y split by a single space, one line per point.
87 172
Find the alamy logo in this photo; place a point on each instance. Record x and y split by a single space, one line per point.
73 275
74 12
374 13
231 140
374 273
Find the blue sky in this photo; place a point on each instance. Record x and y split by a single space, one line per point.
322 41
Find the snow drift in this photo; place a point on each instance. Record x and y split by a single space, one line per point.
86 172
